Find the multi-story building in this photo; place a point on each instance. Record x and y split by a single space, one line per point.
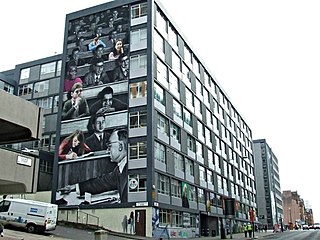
186 146
267 176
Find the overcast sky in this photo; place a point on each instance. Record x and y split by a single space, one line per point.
264 54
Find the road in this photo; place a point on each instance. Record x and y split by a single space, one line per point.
296 235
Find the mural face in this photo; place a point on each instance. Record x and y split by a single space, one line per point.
93 148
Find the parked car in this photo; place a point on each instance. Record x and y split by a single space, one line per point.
316 226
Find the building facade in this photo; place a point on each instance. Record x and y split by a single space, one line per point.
185 147
269 200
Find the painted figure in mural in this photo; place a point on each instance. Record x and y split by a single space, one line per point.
107 103
121 71
97 141
75 58
131 223
73 146
77 106
95 42
96 75
115 180
117 50
98 53
185 197
71 78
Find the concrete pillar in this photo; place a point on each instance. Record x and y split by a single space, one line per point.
101 235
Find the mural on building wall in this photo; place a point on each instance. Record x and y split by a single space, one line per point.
185 195
93 147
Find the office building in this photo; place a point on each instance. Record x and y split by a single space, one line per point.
269 200
186 146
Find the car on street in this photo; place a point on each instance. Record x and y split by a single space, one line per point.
305 227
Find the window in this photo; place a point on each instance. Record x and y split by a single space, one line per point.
139 37
163 184
159 152
46 166
164 217
200 131
139 10
210 176
175 132
186 75
138 90
163 125
192 191
41 87
196 68
178 161
187 117
25 74
177 110
137 183
138 119
202 173
176 219
174 84
158 44
176 65
59 65
197 107
199 149
189 98
25 89
48 70
199 90
201 197
159 94
8 88
162 73
138 150
138 62
208 136
191 143
189 167
173 37
45 103
4 206
176 188
161 23
187 55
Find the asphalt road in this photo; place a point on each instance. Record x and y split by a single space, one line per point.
295 235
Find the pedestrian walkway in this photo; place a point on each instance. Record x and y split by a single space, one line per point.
257 235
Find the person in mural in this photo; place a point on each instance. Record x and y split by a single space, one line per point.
96 42
131 223
115 180
121 71
71 78
125 224
75 58
73 146
107 103
96 76
117 50
77 106
98 53
97 141
185 195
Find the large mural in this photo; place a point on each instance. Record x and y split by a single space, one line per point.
93 146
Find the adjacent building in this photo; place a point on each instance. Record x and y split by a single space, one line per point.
269 200
184 146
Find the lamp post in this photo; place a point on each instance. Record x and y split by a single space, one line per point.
290 219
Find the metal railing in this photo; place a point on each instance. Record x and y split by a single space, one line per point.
79 217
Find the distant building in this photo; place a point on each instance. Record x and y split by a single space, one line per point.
269 199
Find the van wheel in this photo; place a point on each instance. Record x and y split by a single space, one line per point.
31 228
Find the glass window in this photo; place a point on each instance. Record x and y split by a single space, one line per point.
177 109
187 117
159 94
173 37
48 70
210 176
200 130
191 143
138 119
137 183
163 125
187 55
139 36
189 167
177 219
163 184
164 217
162 73
161 23
25 74
176 65
178 161
138 90
199 90
186 74
138 150
176 188
159 152
8 88
197 107
174 84
139 10
175 132
59 66
199 149
208 135
202 173
189 97
25 89
196 68
193 195
158 44
41 87
201 197
138 62
45 103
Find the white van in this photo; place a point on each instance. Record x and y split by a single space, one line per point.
32 215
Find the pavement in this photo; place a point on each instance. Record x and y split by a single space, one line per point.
10 234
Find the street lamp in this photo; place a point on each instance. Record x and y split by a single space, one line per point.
290 218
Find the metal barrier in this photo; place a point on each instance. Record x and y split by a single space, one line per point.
78 216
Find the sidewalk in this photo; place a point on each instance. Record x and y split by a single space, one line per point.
257 235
